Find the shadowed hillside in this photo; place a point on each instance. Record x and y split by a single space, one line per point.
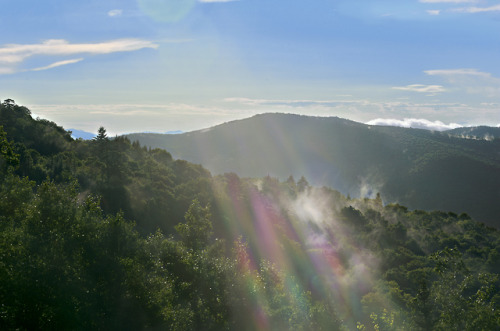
418 168
476 132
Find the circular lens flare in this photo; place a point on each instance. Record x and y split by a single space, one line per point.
167 11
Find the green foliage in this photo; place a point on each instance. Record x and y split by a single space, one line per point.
304 258
8 158
463 299
42 135
197 231
62 262
101 135
418 168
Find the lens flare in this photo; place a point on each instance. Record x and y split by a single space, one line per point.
167 11
302 244
295 247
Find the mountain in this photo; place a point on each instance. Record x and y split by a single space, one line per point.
418 168
107 234
476 132
76 134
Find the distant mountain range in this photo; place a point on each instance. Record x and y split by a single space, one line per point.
417 168
79 134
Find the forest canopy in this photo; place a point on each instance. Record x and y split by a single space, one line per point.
108 234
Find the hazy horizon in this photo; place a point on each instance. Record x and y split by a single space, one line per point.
149 65
413 123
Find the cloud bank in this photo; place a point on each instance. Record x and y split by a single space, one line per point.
171 116
416 123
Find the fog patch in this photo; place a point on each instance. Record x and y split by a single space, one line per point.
369 186
415 123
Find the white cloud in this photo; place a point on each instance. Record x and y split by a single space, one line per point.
434 12
457 72
115 12
13 54
58 64
416 123
432 89
474 10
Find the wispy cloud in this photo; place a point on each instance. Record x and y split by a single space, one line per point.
397 106
294 102
474 10
115 13
472 80
58 64
13 54
457 72
431 89
470 9
416 123
434 12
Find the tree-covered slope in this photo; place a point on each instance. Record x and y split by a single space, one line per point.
418 168
145 184
109 235
476 132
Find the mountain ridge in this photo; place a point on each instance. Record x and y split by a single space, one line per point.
414 167
476 132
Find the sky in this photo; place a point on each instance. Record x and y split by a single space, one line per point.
166 65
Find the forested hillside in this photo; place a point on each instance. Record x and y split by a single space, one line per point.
110 235
417 168
476 132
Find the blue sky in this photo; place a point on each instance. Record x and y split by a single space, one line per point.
163 65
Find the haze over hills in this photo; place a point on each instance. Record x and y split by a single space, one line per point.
418 168
476 132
